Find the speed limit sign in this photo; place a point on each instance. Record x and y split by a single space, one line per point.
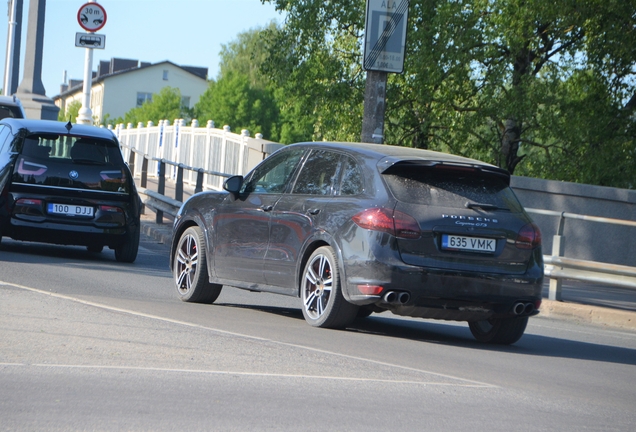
91 17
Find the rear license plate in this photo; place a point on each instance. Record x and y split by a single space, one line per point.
70 210
474 244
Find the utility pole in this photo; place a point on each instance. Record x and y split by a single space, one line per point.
384 49
374 107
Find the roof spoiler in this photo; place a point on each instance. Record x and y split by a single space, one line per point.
388 166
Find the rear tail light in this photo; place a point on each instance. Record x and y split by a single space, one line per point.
29 202
118 176
31 168
110 209
395 223
28 206
529 237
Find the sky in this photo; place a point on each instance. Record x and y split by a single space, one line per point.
185 32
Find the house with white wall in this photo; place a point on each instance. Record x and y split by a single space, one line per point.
122 84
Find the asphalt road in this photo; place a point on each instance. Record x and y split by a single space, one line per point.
87 343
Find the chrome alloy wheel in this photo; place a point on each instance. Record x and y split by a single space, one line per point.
190 269
186 263
317 286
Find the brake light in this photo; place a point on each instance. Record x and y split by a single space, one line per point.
28 206
118 176
110 209
529 237
29 202
31 168
395 223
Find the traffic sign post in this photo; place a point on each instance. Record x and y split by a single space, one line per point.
384 48
91 17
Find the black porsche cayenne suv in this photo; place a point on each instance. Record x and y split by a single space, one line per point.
354 229
67 184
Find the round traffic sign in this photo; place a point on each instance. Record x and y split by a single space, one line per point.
91 17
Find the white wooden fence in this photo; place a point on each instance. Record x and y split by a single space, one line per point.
214 150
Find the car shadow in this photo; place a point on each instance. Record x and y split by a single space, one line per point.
12 251
430 331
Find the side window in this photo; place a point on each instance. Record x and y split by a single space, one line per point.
274 174
351 180
318 174
4 142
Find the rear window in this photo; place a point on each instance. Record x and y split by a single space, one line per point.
71 162
430 186
10 111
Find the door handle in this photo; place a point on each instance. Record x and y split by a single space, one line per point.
267 208
313 212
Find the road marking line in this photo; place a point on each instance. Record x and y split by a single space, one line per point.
246 374
260 339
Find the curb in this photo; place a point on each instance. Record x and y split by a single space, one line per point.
162 234
590 314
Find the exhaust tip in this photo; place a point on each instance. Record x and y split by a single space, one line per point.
518 308
404 297
390 297
529 308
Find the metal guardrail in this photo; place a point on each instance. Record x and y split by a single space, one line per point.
558 267
158 201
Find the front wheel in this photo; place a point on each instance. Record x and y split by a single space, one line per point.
191 270
323 302
503 331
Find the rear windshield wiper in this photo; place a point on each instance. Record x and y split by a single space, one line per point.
483 206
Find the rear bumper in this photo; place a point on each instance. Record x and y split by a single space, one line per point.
66 234
444 294
34 223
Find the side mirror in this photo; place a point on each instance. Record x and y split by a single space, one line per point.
233 185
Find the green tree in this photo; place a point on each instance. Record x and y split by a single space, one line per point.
71 113
232 101
242 97
165 105
314 63
245 55
540 88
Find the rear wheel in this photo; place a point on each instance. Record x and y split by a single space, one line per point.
503 331
191 270
127 252
323 302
